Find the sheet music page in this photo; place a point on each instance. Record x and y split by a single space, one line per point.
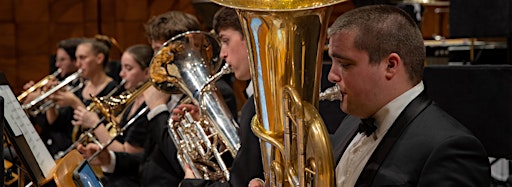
20 124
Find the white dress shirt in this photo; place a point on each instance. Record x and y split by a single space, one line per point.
362 147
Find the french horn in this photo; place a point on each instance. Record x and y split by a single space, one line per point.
285 41
184 65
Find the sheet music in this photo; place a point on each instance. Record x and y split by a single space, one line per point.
20 124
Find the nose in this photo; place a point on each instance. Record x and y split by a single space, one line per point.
122 74
223 53
334 75
79 63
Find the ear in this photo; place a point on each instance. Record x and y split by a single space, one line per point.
392 62
146 72
100 58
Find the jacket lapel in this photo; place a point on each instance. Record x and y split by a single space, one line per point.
404 119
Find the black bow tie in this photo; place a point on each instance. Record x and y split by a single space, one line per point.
367 126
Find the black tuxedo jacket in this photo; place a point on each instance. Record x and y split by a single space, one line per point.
430 149
247 164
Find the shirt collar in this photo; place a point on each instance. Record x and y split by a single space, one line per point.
388 114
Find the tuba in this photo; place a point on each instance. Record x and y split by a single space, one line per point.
184 65
285 40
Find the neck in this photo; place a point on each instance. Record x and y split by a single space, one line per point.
98 79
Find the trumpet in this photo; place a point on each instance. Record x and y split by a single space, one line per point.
37 105
38 85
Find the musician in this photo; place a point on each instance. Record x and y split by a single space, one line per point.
377 61
161 28
134 70
66 62
234 51
158 164
92 56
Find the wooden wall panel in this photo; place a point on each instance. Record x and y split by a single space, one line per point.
31 67
7 40
132 10
70 11
30 30
8 50
29 11
6 10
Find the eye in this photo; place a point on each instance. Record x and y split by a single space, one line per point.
224 41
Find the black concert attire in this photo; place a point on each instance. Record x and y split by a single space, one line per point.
57 136
424 146
158 164
136 135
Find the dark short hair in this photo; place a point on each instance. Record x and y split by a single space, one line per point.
382 30
169 24
142 54
226 18
69 45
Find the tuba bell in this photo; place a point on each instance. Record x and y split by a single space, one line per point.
184 65
285 40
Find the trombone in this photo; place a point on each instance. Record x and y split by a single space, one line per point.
37 106
110 107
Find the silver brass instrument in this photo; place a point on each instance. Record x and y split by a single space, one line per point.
37 105
331 94
285 40
184 65
39 85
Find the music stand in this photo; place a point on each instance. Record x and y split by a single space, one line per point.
32 153
2 173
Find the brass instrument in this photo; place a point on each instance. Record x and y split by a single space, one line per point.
93 107
285 41
37 105
331 94
184 65
39 85
110 107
